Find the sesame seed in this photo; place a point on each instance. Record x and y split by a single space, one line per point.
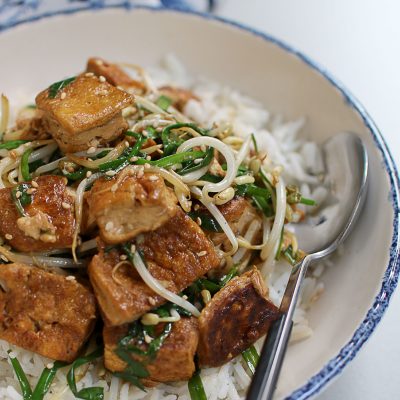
35 184
70 278
159 129
63 95
102 79
196 207
148 158
4 258
111 173
147 165
133 248
145 133
198 160
89 74
12 355
67 206
126 143
31 190
153 178
123 257
152 301
49 365
202 253
185 297
198 220
8 236
18 194
99 62
88 174
133 159
109 226
147 338
91 150
114 187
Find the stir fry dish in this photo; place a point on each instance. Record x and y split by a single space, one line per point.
134 237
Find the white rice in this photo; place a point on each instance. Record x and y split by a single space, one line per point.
285 145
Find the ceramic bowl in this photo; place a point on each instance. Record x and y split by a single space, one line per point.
359 286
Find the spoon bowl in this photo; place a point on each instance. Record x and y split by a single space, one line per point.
346 162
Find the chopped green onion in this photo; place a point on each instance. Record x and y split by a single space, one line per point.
22 379
250 189
172 142
45 380
25 165
208 222
43 384
251 357
288 254
57 86
263 205
156 343
164 102
194 167
173 159
307 202
211 286
253 138
211 178
23 200
278 250
229 276
77 175
126 376
90 393
196 388
12 144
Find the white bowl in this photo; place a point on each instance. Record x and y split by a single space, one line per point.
358 288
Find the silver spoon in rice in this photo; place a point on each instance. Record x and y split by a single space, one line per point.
346 165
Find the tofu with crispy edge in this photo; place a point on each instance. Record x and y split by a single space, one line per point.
237 316
129 204
49 222
45 313
85 113
175 359
176 254
114 74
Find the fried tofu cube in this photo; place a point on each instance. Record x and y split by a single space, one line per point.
236 317
49 219
114 74
130 204
176 254
44 312
174 361
86 111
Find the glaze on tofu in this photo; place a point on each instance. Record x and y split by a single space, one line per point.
114 75
49 219
177 254
237 316
174 360
85 112
43 312
129 204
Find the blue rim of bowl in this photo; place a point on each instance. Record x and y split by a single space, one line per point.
335 366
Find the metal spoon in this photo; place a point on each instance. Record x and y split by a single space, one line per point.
346 166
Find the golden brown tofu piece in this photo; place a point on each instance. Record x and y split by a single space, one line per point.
177 254
114 74
174 360
49 222
130 204
178 96
86 112
236 317
44 312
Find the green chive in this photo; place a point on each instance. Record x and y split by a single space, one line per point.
92 393
57 86
308 202
229 276
251 357
196 388
25 165
45 380
208 223
204 162
12 144
22 379
253 138
164 102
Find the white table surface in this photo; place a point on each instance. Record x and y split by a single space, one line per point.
359 42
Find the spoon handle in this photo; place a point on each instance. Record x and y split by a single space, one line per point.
269 366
